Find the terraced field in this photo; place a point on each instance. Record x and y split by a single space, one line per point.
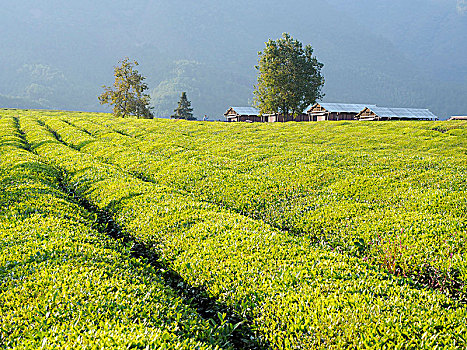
174 234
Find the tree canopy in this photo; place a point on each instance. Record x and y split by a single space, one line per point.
183 110
127 94
289 77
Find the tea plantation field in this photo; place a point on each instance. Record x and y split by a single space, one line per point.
164 234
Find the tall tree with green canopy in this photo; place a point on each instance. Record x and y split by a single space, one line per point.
127 94
184 110
289 77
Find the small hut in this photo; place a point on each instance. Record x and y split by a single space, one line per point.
244 114
335 111
384 113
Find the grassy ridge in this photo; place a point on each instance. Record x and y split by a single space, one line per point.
63 284
393 195
297 293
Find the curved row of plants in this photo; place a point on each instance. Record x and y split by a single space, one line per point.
297 294
398 209
64 284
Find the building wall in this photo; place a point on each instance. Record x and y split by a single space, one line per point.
244 118
274 118
290 118
366 113
321 118
304 118
342 116
253 118
333 116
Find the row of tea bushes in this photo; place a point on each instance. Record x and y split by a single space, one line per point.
401 211
297 294
64 284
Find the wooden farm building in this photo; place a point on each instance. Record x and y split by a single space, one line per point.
334 111
384 113
317 112
244 114
250 114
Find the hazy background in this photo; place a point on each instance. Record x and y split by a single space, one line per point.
58 53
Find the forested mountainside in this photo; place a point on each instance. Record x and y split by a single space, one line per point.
431 32
58 55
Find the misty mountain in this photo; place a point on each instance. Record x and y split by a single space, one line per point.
58 55
432 33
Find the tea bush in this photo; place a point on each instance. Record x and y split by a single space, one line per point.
297 290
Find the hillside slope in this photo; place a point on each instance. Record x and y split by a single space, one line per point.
151 233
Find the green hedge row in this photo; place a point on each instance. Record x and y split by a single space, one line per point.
63 284
400 208
298 294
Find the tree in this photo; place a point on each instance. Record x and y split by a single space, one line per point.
184 110
127 95
289 78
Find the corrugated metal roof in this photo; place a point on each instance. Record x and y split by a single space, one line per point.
246 110
344 107
403 113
